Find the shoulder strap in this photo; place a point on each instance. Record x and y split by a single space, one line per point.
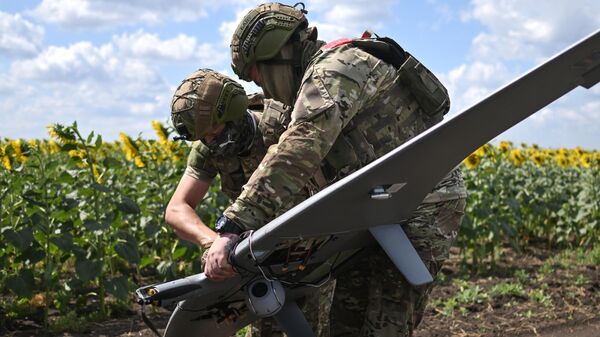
383 48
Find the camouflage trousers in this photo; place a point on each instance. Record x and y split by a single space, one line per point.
373 298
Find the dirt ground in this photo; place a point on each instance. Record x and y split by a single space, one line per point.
538 292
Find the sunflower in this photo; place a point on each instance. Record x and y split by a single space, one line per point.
538 158
97 174
483 150
505 146
54 148
517 157
80 156
6 162
563 152
161 132
562 161
585 160
57 131
472 161
34 143
18 150
139 162
131 150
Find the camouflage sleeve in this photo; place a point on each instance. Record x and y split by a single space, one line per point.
199 164
333 90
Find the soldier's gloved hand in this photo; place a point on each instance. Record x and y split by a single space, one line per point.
217 266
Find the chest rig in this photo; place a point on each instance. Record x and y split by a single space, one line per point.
272 119
234 171
417 101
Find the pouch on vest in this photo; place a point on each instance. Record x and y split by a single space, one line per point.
274 121
429 92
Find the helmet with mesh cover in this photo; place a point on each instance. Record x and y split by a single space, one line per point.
205 99
262 33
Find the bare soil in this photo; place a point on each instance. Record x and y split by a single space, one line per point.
546 293
567 301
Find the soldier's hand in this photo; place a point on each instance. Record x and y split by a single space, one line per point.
217 266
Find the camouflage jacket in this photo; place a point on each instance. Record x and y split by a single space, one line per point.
235 171
349 111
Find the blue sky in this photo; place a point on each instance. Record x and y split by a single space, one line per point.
113 65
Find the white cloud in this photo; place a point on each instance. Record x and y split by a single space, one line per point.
180 48
526 30
79 61
108 13
349 18
19 37
227 28
470 83
517 36
572 120
592 109
101 87
333 20
94 13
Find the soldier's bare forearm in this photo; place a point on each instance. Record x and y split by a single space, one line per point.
188 226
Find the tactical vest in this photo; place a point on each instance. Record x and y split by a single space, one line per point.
427 89
274 121
272 117
366 136
235 171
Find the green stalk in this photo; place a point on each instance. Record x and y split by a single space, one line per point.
47 258
101 246
595 196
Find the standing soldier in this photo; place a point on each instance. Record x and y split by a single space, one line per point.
230 141
353 101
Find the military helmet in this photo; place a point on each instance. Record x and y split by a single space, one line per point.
262 33
204 100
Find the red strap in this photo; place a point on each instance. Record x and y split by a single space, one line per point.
336 43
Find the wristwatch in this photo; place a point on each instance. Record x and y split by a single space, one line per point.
226 225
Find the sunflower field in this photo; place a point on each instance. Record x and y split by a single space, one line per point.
526 193
81 219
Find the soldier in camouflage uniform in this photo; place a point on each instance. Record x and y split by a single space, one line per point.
349 108
229 143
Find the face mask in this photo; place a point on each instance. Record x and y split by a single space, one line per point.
277 81
235 139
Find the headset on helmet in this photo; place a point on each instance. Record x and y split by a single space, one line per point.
204 100
262 33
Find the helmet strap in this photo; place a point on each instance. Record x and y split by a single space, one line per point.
236 139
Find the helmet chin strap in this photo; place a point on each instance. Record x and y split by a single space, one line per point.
252 121
236 139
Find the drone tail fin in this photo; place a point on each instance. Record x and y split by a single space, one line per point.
400 250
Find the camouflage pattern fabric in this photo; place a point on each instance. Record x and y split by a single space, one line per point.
374 299
350 110
234 171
